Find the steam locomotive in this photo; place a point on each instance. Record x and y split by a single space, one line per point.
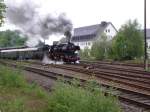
64 52
59 52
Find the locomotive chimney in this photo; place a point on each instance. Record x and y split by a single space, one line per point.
68 36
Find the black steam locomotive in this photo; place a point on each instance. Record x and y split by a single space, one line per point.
59 52
64 52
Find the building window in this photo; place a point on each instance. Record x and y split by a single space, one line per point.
108 30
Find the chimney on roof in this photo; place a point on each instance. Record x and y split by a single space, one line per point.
103 23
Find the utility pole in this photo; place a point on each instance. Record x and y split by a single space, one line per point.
145 42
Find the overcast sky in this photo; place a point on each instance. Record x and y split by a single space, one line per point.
88 12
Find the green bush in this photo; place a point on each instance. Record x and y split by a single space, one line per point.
101 48
85 53
72 98
11 78
128 43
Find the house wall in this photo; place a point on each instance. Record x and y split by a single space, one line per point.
110 32
148 43
84 44
148 50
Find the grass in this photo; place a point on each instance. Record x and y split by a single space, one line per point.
72 98
16 95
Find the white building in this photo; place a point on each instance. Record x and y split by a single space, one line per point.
148 41
85 36
148 37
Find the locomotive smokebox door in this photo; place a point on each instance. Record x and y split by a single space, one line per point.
68 35
46 48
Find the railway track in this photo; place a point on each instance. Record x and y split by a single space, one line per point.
138 65
126 93
102 65
136 70
140 86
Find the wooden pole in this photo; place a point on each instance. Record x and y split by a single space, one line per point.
145 39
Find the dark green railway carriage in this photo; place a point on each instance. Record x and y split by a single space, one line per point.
21 54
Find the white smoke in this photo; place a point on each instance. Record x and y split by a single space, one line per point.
46 60
26 17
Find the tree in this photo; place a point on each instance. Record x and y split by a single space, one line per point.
128 43
85 53
100 48
11 39
2 10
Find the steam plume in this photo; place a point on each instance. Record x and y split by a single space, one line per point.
27 18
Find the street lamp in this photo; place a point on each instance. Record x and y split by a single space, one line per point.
145 43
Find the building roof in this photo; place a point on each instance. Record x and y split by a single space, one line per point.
88 32
20 49
148 33
17 47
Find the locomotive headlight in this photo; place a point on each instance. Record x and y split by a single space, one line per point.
77 52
